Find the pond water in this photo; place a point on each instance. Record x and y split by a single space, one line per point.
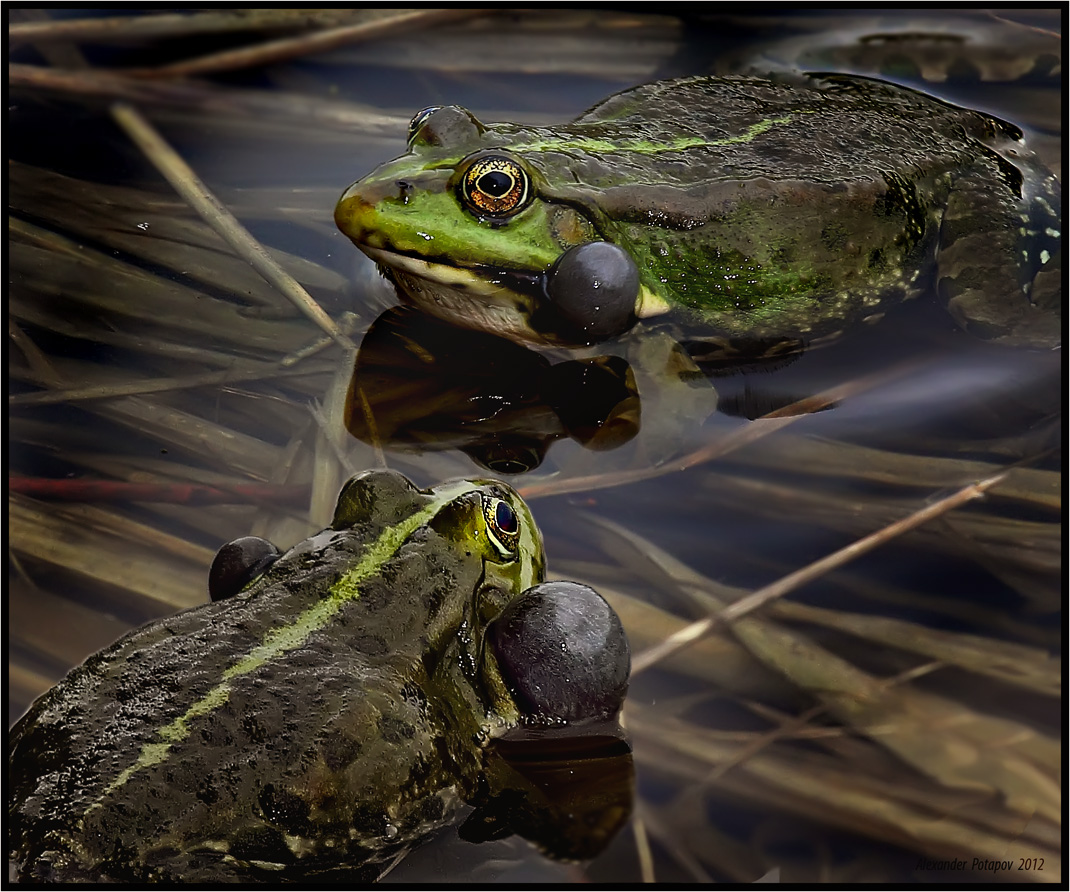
896 715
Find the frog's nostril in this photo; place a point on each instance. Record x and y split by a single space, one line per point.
404 189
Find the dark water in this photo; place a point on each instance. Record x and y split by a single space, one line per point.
849 794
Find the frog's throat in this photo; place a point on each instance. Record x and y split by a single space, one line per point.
316 617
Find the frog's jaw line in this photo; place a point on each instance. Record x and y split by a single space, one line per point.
288 637
467 282
460 297
455 278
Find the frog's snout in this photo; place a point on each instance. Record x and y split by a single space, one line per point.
355 212
359 212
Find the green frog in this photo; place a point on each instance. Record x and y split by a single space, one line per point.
326 711
774 210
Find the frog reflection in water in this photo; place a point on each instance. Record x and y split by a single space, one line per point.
326 712
776 212
422 384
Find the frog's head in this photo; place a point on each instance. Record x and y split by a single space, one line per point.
546 653
474 225
452 576
474 541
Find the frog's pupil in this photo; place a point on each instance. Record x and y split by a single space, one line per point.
495 183
505 518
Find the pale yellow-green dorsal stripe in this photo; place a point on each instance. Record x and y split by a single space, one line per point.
293 635
646 146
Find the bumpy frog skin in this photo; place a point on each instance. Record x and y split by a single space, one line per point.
770 209
319 722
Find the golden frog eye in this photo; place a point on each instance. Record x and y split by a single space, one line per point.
496 186
503 526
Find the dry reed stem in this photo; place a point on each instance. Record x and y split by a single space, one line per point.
782 586
172 581
267 371
141 27
208 99
303 45
642 850
190 187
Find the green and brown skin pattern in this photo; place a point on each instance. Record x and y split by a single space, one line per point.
321 721
788 208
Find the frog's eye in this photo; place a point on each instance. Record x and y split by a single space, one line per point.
418 121
503 526
237 564
496 186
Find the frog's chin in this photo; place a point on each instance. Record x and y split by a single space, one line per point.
485 300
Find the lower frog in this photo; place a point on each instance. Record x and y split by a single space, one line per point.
327 711
774 210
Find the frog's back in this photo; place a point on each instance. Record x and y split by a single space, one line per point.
790 210
835 129
165 774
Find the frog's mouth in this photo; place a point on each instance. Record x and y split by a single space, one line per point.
480 297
